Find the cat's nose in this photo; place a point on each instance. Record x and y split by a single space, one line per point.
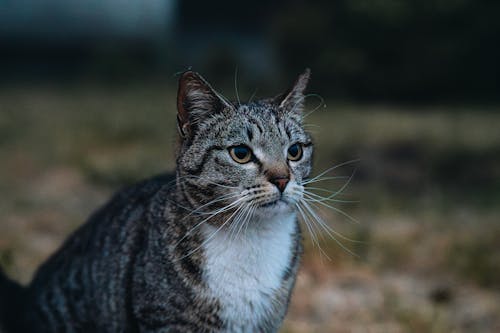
280 182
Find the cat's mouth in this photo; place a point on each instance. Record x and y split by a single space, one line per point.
271 203
270 200
277 204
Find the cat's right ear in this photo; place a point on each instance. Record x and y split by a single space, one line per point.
293 100
196 99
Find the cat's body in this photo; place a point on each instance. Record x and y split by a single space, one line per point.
213 248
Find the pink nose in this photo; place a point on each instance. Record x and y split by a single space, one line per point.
280 183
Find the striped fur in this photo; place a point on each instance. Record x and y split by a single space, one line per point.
213 248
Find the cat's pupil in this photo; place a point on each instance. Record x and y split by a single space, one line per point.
241 152
294 151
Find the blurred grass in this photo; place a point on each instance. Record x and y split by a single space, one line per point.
428 185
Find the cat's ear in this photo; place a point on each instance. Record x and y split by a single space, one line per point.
293 99
196 99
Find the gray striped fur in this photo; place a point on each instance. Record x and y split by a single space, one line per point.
138 263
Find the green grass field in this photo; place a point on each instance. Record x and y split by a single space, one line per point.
424 228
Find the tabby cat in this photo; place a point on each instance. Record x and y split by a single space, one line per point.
213 248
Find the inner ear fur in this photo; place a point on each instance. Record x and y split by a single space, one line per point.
293 99
195 99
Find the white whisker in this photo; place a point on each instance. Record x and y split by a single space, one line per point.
198 210
329 230
253 95
236 86
207 181
315 180
314 237
331 169
339 211
321 104
307 206
236 221
313 197
215 213
243 220
212 235
325 226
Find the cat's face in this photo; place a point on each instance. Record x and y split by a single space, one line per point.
241 160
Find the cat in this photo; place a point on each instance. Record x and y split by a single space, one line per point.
214 247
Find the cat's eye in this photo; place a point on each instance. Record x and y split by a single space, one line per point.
241 154
295 152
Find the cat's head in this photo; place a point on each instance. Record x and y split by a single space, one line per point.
239 159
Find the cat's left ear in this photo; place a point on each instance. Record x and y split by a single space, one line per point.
196 99
293 100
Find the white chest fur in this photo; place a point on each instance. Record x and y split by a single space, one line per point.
244 273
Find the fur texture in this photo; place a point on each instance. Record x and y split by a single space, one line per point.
213 248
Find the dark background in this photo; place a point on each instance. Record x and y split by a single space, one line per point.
410 88
405 51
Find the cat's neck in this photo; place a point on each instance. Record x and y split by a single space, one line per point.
243 271
253 239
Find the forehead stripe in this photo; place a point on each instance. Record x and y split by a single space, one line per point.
198 167
255 122
249 133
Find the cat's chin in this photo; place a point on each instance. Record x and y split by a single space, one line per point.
275 208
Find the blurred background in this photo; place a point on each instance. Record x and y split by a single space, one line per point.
410 88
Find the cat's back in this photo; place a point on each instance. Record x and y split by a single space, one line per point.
113 221
94 265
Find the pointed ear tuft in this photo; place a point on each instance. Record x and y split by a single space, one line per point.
293 100
195 99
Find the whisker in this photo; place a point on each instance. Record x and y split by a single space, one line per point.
236 221
220 210
313 197
198 210
339 191
253 209
321 103
236 85
329 230
319 189
306 222
208 181
311 125
339 211
309 227
334 167
243 220
315 180
255 199
211 236
253 95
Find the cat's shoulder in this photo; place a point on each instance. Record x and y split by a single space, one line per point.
119 213
137 194
145 188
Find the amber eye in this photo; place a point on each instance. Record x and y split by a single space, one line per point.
295 152
241 154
